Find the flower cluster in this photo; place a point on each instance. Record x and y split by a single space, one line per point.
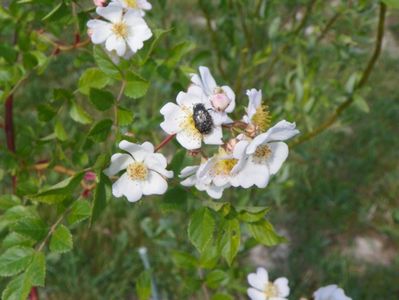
198 117
122 29
263 289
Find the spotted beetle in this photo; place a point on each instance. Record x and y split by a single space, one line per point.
202 119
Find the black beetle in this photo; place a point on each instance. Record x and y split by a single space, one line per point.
202 119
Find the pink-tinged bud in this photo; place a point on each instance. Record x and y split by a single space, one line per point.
100 3
90 176
251 130
220 101
231 144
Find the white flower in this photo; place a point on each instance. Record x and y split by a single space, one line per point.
124 31
257 114
263 156
221 98
190 120
262 289
330 292
191 178
140 5
145 171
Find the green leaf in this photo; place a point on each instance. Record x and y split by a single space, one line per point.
56 13
100 198
174 199
136 88
391 3
8 201
102 100
32 227
177 53
61 240
252 214
78 114
143 286
351 83
59 192
218 206
230 237
80 211
59 131
15 239
201 228
36 272
184 260
177 161
104 62
216 278
125 116
264 233
92 78
15 260
220 296
361 103
100 131
17 289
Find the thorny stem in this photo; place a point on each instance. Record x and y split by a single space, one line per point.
363 80
164 142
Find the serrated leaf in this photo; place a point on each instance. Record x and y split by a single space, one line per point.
32 227
15 239
136 88
184 260
230 237
78 114
102 100
36 272
80 211
201 228
125 116
264 233
92 78
100 198
8 201
104 62
61 240
59 131
17 289
15 260
100 131
361 103
59 192
252 214
216 278
218 206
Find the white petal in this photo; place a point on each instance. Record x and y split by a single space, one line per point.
148 147
188 99
254 101
189 139
282 131
252 174
258 140
254 294
188 171
215 137
111 13
282 286
138 152
174 117
124 186
189 181
119 161
324 293
155 184
144 4
259 279
119 185
133 18
221 180
239 149
207 80
116 43
100 31
232 96
137 37
157 163
278 156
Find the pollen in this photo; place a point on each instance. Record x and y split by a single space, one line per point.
224 166
270 290
120 29
137 171
188 124
131 3
262 153
262 118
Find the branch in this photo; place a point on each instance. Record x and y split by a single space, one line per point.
363 80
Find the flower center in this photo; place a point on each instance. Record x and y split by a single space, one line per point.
262 118
188 123
137 171
262 153
131 3
270 290
120 29
224 166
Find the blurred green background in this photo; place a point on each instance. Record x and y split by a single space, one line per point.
335 200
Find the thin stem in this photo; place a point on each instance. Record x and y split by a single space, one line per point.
118 99
363 80
328 26
164 142
9 131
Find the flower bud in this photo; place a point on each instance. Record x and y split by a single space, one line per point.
231 144
100 3
220 101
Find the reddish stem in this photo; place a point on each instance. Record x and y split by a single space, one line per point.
33 294
164 142
9 131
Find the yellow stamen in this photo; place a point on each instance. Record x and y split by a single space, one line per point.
137 171
188 124
224 166
131 3
270 290
120 29
262 118
262 153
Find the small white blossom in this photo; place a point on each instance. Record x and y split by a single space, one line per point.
140 5
124 31
221 98
263 156
179 120
191 178
263 289
257 114
145 171
330 292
